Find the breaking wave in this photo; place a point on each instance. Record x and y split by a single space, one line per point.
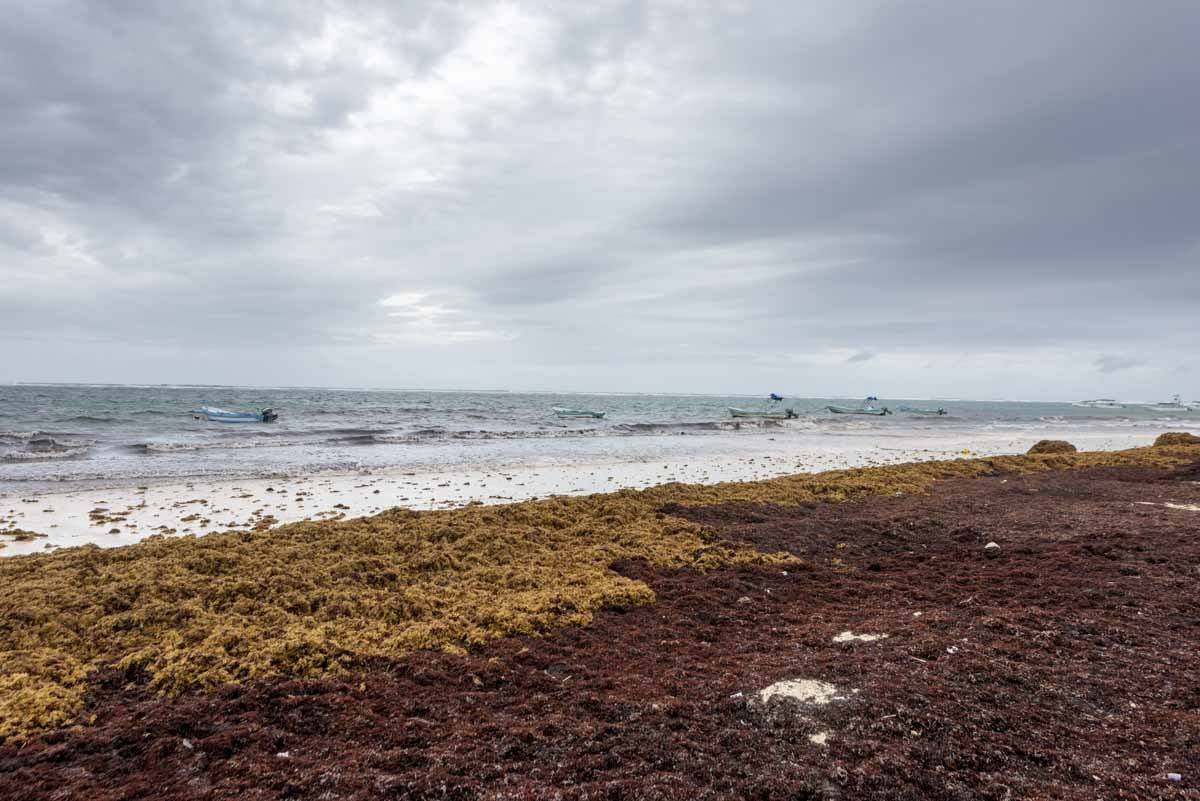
32 446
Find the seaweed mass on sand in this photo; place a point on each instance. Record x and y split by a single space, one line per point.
190 647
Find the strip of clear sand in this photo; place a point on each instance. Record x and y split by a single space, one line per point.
123 515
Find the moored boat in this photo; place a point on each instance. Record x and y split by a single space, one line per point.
214 415
769 414
569 413
916 410
863 410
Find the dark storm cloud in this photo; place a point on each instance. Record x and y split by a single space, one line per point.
702 192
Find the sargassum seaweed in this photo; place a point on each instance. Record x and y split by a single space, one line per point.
321 597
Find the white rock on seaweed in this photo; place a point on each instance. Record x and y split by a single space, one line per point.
849 636
806 691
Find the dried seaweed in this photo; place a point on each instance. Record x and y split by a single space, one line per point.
1176 438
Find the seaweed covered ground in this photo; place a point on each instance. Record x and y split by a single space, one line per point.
722 642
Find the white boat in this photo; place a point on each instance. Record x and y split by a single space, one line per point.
880 412
1175 405
866 408
569 413
213 415
1099 403
916 410
769 414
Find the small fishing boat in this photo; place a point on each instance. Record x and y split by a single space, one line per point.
859 410
769 414
214 415
865 408
561 412
916 410
775 396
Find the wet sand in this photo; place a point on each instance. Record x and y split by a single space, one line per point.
1062 666
121 515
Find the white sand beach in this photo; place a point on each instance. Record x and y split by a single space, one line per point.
120 515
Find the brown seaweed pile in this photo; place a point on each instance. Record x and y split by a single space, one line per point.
1053 446
1176 438
323 598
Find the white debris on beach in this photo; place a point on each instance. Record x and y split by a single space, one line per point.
850 636
806 691
1186 507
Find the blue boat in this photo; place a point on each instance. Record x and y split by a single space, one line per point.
224 416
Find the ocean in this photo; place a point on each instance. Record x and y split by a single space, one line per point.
55 436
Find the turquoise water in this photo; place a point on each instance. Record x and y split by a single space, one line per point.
50 434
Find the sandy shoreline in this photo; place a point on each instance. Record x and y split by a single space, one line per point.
122 515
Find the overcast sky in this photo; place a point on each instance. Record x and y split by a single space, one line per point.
993 200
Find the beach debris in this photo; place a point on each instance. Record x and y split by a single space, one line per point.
1052 446
1174 777
1176 438
20 534
745 599
820 738
991 550
1187 507
804 691
849 636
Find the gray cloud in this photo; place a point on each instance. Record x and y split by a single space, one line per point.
920 198
1113 364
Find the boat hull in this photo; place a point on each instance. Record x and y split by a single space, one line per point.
923 412
578 413
783 414
848 410
224 416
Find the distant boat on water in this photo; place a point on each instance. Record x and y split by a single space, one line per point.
214 415
569 413
1174 405
923 412
769 414
866 408
775 396
1099 403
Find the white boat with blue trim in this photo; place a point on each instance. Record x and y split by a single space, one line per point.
214 415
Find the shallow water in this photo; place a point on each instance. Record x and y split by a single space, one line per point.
52 436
